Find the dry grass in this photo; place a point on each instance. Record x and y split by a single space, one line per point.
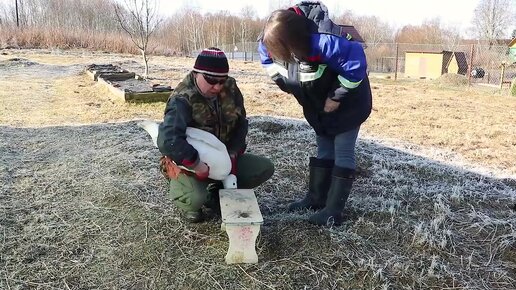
34 37
82 203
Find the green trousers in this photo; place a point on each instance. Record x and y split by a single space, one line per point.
190 194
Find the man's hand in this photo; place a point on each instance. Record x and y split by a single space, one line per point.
202 170
330 105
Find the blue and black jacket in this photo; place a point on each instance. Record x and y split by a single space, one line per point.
336 68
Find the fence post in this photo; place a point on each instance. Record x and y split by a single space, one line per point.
396 66
17 14
502 74
470 66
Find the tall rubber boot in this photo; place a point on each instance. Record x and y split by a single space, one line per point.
318 185
213 203
341 183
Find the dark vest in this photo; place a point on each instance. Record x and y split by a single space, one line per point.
311 95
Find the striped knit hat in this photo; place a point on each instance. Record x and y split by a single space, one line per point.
212 61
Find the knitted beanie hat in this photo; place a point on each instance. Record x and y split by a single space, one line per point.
212 61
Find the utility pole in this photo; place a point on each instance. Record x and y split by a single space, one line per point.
17 14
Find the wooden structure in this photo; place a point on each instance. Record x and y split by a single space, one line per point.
241 219
431 64
512 50
108 71
126 85
349 31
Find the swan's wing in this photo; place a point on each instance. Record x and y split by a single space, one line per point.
211 150
206 137
217 160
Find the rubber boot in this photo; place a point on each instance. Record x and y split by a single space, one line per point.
194 216
318 185
341 183
213 203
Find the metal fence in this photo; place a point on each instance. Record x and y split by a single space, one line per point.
486 64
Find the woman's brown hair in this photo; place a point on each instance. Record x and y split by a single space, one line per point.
286 35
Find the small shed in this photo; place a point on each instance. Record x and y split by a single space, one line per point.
433 64
512 50
350 32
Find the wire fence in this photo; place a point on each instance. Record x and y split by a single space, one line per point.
488 64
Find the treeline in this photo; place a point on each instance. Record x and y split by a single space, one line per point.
92 24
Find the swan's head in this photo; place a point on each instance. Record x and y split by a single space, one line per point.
230 181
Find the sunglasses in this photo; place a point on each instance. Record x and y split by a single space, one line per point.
213 81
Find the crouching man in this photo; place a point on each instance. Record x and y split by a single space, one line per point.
206 99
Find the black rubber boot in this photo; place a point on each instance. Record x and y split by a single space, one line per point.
194 216
318 185
213 203
341 183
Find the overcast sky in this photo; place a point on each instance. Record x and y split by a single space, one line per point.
457 13
452 13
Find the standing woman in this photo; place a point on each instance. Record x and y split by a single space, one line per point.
305 54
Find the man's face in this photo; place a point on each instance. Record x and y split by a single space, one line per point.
210 86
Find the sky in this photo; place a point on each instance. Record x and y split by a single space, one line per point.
456 13
397 13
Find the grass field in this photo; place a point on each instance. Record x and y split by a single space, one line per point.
83 206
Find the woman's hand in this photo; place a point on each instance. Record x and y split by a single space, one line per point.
330 105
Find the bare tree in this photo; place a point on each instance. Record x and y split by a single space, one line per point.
371 28
493 18
248 13
280 4
139 19
430 32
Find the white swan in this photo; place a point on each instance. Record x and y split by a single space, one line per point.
211 151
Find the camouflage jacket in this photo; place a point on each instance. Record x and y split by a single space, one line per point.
187 107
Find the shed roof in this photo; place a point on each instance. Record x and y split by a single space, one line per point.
425 51
513 42
496 42
345 29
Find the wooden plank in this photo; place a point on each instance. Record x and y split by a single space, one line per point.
91 75
120 94
97 70
239 206
115 76
125 86
146 97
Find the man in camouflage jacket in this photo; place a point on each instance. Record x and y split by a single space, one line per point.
207 99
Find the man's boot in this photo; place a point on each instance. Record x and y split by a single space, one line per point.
318 185
193 216
213 203
188 194
341 183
